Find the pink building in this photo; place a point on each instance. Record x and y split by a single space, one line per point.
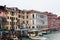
58 22
51 20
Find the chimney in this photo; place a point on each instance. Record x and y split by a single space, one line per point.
5 6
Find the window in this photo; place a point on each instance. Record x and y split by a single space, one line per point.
23 12
27 16
42 16
7 23
23 17
33 21
12 27
16 19
19 16
6 27
42 21
12 13
33 15
8 17
29 26
32 26
18 22
27 22
12 23
23 22
12 18
37 26
3 19
16 27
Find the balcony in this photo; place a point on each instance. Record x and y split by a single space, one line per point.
12 23
12 18
12 28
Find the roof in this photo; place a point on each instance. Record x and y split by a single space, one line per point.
2 8
32 11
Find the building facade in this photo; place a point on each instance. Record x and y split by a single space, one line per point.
58 22
34 20
52 18
38 20
3 17
3 20
12 18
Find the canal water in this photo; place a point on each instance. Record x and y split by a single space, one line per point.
53 36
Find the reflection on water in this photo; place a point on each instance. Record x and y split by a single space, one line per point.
53 36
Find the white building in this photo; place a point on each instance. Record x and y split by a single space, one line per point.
39 20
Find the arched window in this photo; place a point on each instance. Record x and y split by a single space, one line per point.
33 27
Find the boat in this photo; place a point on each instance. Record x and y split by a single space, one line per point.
37 38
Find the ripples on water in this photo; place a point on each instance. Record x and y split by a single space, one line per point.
53 36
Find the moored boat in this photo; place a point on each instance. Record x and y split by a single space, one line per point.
38 38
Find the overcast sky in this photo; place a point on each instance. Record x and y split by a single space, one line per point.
41 5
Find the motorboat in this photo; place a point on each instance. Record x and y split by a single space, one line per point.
37 38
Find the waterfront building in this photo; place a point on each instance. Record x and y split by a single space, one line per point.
58 23
3 20
12 18
13 21
34 20
23 21
38 21
51 20
24 18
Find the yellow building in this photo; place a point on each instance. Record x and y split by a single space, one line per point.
25 18
12 17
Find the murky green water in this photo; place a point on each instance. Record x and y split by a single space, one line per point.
25 39
53 36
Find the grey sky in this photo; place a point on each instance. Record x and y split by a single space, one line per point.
41 5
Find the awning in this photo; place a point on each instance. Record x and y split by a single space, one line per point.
21 30
36 29
43 28
33 30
